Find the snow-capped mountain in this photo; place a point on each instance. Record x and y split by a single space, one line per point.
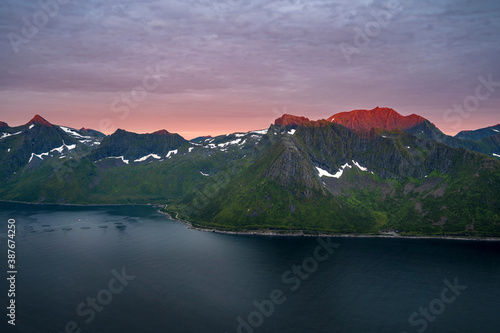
358 171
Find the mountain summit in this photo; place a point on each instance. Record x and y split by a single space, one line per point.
290 120
385 118
161 132
479 134
40 121
298 175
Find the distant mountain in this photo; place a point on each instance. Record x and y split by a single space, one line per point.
200 138
376 171
131 146
88 137
479 133
386 119
336 180
383 118
31 143
91 132
170 168
27 146
2 124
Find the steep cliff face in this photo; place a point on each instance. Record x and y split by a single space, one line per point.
287 164
385 119
353 181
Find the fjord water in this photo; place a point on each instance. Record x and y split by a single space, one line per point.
183 280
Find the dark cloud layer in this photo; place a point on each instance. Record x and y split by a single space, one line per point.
255 54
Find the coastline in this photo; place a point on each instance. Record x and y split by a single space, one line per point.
79 205
261 232
302 234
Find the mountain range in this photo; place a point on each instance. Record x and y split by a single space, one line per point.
362 172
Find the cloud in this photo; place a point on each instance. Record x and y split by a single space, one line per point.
255 51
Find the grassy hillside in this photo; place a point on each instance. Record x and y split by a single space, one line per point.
427 189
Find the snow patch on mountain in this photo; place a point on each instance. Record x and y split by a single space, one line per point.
31 126
142 159
87 140
359 166
60 149
171 153
204 174
6 135
40 156
292 131
496 155
261 132
119 158
73 132
323 172
225 144
336 175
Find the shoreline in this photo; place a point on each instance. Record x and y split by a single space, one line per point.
80 205
261 232
301 234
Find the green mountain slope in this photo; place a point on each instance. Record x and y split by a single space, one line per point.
298 175
92 177
416 186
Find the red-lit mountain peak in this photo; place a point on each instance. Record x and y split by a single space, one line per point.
384 118
39 121
3 124
161 132
290 120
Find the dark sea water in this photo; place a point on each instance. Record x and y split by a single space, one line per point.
173 279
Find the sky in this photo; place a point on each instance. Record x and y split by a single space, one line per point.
209 67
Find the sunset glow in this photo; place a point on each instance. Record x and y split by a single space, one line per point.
208 68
